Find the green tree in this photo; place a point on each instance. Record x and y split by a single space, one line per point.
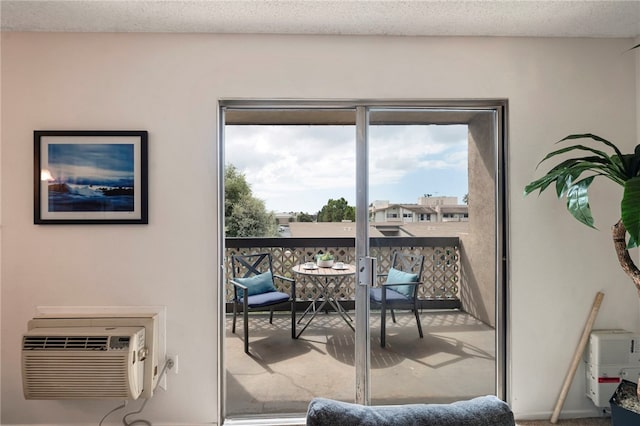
250 219
337 211
465 199
245 215
235 188
305 217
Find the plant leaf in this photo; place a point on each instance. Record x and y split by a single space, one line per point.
595 138
546 180
630 209
618 162
634 47
635 161
565 173
563 185
616 166
599 153
578 201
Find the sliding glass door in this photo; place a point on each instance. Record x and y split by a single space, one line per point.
363 183
290 192
433 333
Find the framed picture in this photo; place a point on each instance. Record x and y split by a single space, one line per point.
89 177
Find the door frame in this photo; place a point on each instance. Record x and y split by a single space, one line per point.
462 111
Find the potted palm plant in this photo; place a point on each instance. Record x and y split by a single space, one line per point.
571 179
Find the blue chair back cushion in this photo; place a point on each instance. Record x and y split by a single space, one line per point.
257 284
396 276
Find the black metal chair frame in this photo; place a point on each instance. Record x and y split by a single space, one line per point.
406 263
254 264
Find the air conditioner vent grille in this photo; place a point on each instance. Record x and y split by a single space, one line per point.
61 343
63 375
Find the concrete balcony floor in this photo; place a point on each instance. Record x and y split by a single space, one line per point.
455 360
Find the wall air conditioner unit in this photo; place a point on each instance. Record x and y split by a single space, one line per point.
90 356
83 363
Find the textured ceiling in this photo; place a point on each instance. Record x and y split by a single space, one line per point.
550 18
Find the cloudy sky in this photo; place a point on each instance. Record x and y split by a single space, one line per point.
299 168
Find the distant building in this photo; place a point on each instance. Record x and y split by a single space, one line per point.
428 209
284 218
342 229
430 217
327 230
402 213
459 213
437 201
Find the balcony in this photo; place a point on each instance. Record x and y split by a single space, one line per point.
455 359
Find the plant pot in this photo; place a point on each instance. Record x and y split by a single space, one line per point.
620 414
324 263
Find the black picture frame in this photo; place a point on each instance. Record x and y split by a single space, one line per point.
90 177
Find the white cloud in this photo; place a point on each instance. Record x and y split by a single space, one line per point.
397 150
288 165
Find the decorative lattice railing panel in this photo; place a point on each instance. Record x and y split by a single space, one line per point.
440 276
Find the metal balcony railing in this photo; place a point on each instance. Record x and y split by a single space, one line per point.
440 277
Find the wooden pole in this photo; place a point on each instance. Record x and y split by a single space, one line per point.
576 356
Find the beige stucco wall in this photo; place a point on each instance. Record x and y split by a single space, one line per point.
169 85
478 246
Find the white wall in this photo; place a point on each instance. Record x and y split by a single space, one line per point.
0 219
169 85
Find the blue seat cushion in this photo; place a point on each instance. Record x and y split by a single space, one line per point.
375 295
266 299
257 284
396 276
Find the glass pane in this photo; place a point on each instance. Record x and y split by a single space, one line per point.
290 191
421 229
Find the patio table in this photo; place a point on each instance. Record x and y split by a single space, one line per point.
328 281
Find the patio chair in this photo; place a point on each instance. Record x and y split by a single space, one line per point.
399 291
254 275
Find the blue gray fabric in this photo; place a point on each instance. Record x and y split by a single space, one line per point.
257 284
266 299
481 411
392 296
396 276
